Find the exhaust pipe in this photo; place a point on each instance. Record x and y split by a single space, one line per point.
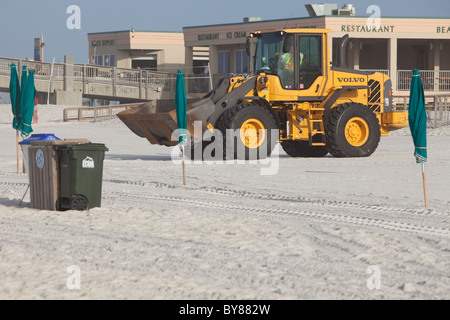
340 58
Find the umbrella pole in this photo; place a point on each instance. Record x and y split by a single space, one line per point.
21 201
17 151
424 185
184 166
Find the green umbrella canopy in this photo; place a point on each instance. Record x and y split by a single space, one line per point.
23 82
27 105
14 92
23 79
418 118
181 107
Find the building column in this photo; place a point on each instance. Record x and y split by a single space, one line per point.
68 96
68 73
188 64
189 59
392 61
437 63
213 63
233 61
437 55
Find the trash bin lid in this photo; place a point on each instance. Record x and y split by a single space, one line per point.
40 137
90 147
84 146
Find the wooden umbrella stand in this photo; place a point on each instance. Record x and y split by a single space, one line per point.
17 151
424 185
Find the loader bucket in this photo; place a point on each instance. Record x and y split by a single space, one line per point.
157 120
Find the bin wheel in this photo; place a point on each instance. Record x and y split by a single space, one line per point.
79 203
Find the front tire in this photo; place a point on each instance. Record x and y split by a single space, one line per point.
249 132
353 130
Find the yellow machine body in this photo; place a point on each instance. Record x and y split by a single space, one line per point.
315 107
361 87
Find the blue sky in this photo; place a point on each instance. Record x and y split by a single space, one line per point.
23 20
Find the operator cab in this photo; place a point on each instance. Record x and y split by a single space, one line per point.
295 58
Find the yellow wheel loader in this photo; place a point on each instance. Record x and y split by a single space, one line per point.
291 96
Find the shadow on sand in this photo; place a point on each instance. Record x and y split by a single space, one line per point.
14 203
131 157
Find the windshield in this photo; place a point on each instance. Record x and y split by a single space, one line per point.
269 45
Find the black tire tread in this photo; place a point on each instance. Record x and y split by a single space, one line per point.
227 119
334 140
302 149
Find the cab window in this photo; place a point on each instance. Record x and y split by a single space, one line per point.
310 48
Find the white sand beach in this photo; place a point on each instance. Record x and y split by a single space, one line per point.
318 229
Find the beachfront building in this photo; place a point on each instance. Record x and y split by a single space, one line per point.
147 50
395 47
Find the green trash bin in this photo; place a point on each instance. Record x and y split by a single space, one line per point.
81 175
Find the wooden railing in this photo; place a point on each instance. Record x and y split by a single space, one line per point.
108 76
432 80
86 72
437 106
94 113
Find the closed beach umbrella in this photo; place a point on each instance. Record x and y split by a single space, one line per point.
23 78
27 100
181 108
14 92
418 124
23 82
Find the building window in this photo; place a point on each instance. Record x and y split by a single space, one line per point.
310 49
109 60
224 62
98 60
241 61
151 65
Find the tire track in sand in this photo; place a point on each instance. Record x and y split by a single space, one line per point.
260 211
318 203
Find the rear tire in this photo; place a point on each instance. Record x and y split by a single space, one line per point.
302 149
353 130
254 130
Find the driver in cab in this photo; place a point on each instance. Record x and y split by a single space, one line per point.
286 63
